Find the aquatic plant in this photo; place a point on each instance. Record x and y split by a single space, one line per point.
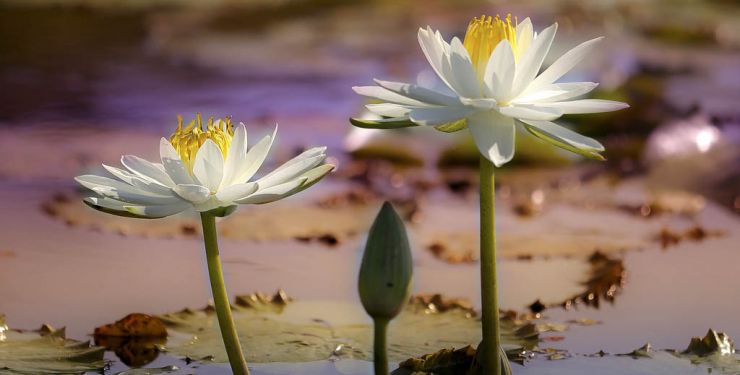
208 170
492 85
385 278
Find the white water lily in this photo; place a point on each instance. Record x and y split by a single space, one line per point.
494 78
208 170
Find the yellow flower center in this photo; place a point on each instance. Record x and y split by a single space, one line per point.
483 35
187 140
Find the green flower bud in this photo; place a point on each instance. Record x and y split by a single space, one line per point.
385 273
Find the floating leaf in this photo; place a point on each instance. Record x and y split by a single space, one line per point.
644 351
45 351
311 331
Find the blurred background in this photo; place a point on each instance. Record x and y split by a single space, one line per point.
85 81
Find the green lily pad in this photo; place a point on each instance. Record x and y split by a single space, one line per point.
45 351
311 331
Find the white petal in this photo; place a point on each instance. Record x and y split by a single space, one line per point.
386 95
123 209
524 36
585 106
290 170
388 109
255 157
236 156
557 92
466 81
172 163
529 65
493 135
138 182
122 175
235 192
192 193
419 93
482 103
438 115
106 203
146 170
500 70
273 193
566 135
434 49
121 191
530 112
562 65
158 211
208 167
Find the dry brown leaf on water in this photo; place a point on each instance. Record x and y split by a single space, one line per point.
605 281
136 339
669 237
134 325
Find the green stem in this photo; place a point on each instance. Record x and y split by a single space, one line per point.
220 298
380 355
489 286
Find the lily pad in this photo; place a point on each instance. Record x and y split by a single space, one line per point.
45 351
311 331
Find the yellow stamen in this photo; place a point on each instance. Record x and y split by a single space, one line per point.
484 34
187 140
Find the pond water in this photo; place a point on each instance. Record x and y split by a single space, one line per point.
121 75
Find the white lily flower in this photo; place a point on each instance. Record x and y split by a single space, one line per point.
493 75
208 170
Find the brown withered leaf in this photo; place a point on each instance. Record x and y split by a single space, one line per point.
712 342
136 339
134 325
668 237
433 303
605 281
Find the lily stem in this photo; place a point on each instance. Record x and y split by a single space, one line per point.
380 353
220 298
489 285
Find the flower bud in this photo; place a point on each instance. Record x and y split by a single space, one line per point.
385 273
